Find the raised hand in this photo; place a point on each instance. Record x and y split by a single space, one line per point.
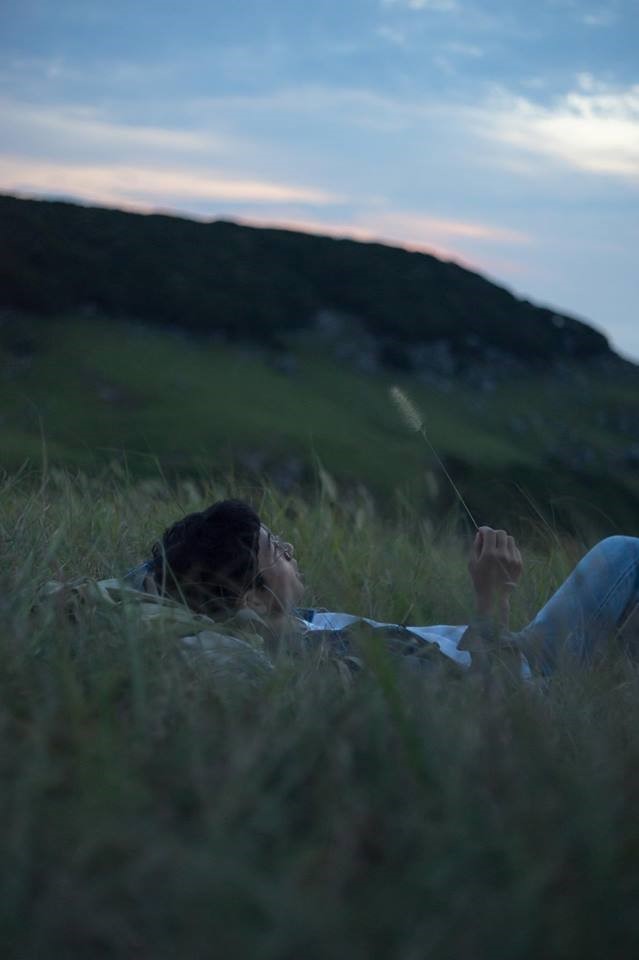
495 566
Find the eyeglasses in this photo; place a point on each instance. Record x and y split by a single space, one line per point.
283 548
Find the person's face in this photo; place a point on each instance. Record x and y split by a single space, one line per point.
277 564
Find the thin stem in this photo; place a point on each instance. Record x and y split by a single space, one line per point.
448 477
413 418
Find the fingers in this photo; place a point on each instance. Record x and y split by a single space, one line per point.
497 543
513 549
489 540
501 542
513 553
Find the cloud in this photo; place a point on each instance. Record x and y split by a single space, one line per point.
317 104
465 50
443 5
366 230
392 35
439 6
593 127
144 188
17 72
79 124
598 18
422 228
469 243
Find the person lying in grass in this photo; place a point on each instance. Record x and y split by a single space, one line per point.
225 565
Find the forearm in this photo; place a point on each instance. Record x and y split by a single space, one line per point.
495 609
488 630
495 566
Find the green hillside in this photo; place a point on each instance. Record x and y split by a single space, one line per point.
103 392
258 284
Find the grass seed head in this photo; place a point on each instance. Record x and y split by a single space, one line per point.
407 409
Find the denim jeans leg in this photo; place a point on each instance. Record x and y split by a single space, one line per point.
580 619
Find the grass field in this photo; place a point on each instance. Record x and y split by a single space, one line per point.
92 391
151 809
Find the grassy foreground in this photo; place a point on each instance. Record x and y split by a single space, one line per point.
150 810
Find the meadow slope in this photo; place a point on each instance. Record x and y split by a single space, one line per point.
81 393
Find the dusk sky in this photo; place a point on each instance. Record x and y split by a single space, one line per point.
500 133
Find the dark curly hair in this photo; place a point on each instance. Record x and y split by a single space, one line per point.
210 558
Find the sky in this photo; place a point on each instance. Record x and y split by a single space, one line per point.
503 134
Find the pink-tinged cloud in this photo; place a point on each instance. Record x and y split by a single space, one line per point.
148 190
418 228
145 188
418 235
352 231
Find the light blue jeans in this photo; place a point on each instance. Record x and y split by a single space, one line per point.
582 618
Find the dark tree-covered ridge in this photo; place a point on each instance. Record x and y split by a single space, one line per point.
259 284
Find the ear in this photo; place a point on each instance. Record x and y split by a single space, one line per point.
257 601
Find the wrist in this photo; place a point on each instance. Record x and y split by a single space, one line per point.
490 607
504 611
484 605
